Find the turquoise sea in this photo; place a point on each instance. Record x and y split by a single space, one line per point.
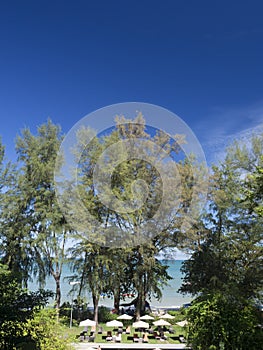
170 296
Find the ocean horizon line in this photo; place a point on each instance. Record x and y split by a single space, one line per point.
170 295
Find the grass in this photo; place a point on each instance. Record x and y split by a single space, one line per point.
72 334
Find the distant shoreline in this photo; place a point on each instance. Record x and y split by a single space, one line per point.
170 295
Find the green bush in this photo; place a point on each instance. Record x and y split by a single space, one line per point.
45 331
178 316
105 315
80 311
220 321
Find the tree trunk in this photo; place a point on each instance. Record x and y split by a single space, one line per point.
139 304
117 300
58 291
96 308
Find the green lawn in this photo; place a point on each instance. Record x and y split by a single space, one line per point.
73 333
126 338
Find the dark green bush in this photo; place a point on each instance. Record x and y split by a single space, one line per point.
105 315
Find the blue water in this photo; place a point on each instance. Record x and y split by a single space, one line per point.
170 296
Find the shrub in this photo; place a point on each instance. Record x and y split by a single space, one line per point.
45 331
227 322
105 315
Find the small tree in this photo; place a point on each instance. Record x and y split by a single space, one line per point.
17 307
218 321
46 332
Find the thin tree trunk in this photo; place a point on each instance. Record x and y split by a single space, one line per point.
58 291
138 308
82 280
139 303
117 300
96 308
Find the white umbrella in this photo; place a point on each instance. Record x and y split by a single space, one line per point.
162 323
182 323
140 324
167 316
146 317
114 323
124 317
87 323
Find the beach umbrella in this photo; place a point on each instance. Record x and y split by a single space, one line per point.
162 323
146 317
167 316
124 317
140 324
87 323
114 323
182 323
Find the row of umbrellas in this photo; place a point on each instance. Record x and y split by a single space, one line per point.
139 324
160 322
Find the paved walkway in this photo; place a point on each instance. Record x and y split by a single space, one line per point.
122 346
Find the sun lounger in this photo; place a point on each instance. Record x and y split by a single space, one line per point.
91 338
156 335
182 339
128 330
145 338
135 338
118 338
109 336
171 330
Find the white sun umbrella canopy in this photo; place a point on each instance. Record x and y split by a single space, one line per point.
140 324
114 323
87 323
146 317
162 323
167 316
182 323
124 317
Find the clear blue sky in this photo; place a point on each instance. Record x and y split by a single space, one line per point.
200 59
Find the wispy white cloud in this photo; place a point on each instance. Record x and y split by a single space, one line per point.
225 126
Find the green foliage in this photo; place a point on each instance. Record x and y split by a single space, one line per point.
147 274
14 251
225 269
254 191
44 227
34 231
229 256
112 271
80 311
105 315
17 308
179 315
46 332
218 321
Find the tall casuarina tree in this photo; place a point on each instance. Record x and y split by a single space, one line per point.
45 222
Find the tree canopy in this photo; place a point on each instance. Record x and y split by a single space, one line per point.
225 270
134 196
